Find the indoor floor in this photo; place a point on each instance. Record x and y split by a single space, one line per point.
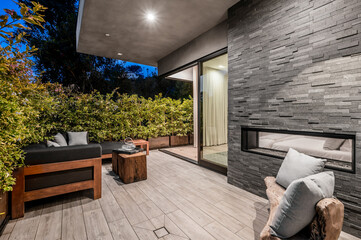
216 154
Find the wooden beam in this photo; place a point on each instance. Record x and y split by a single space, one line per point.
97 176
58 190
56 167
17 195
105 156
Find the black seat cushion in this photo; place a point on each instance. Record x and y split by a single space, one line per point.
36 146
108 147
36 156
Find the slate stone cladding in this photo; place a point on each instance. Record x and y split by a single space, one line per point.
295 65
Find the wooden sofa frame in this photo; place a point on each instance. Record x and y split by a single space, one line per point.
19 196
327 224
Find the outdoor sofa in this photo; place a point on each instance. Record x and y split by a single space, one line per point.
52 171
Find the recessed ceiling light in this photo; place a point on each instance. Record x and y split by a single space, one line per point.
120 54
150 16
107 35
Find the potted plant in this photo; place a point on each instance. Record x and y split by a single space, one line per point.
4 209
157 126
180 115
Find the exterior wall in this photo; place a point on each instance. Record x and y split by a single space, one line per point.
295 65
78 25
207 43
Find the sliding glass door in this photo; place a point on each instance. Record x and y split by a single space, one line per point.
214 111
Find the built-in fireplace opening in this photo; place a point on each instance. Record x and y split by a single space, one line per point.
337 149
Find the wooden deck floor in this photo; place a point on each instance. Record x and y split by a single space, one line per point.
179 200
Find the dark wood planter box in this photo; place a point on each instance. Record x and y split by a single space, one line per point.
179 140
159 142
191 139
4 210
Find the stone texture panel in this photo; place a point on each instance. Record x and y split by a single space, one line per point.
295 65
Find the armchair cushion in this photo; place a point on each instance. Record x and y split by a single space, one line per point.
297 207
298 165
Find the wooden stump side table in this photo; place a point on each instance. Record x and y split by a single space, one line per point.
130 168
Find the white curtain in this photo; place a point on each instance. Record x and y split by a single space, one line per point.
215 104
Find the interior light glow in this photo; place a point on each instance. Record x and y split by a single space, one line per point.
120 54
221 66
107 35
150 16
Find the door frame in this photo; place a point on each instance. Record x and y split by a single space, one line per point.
206 164
213 166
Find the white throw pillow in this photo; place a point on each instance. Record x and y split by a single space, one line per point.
298 165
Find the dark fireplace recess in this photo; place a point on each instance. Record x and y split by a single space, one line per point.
337 149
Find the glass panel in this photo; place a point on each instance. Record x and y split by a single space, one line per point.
338 150
214 103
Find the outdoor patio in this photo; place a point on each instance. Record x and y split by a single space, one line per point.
191 202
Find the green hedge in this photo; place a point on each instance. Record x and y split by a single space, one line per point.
31 111
113 117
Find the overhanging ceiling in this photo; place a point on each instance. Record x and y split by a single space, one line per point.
177 22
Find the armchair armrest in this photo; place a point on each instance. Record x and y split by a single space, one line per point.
327 224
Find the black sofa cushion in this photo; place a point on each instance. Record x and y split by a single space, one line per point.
35 182
41 155
108 147
36 146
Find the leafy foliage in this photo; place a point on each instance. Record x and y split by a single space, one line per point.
57 60
113 117
31 111
19 98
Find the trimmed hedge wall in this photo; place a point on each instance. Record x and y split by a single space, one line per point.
113 117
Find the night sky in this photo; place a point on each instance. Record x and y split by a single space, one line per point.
9 4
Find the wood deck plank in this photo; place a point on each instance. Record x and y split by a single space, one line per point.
122 230
189 227
189 201
73 225
49 227
96 225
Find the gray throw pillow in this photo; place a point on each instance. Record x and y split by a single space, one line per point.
298 205
52 144
78 138
333 143
60 139
298 165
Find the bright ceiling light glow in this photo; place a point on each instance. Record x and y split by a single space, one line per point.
150 16
221 66
120 54
107 35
